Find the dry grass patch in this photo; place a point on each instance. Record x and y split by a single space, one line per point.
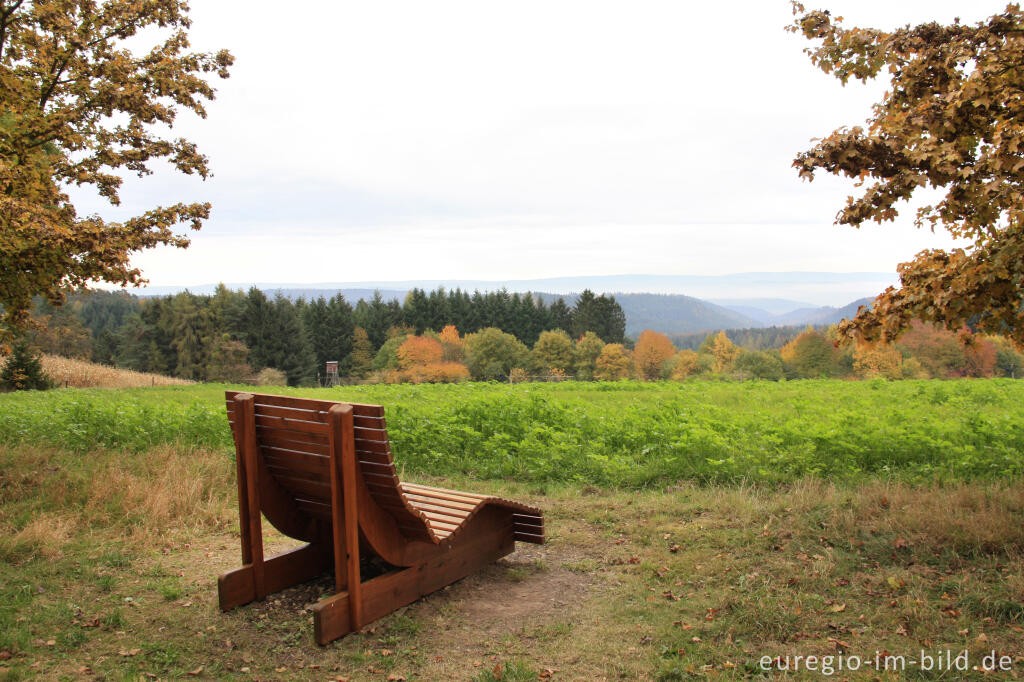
72 373
670 584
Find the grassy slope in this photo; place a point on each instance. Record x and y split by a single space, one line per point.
108 565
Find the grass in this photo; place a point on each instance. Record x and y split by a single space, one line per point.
622 434
694 529
670 583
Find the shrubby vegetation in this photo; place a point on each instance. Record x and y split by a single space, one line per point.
628 433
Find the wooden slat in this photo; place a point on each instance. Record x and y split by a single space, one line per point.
367 422
310 490
371 434
377 468
442 516
291 424
312 404
380 458
452 497
313 508
442 525
447 511
292 440
447 490
415 500
385 478
378 446
297 414
384 494
300 461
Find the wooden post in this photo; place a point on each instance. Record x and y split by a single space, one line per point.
246 414
346 514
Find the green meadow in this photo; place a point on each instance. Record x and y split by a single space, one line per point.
625 434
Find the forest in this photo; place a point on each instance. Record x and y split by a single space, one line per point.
449 336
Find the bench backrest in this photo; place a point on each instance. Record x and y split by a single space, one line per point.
291 434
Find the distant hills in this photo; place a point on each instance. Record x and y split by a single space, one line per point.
743 300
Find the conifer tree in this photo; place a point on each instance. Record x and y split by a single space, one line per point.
23 370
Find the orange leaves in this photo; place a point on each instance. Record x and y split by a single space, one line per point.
653 350
421 360
419 350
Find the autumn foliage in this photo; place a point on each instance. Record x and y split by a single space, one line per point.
614 363
81 109
421 360
653 350
952 120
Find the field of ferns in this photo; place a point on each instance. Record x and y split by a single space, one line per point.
628 434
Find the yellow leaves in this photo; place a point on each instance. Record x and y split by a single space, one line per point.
64 83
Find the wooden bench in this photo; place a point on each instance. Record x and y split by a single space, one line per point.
322 472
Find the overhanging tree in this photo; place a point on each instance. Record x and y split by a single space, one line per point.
953 119
78 107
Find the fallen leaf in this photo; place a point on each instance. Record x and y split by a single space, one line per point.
674 548
198 671
398 678
837 608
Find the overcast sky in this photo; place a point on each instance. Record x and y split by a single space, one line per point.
480 140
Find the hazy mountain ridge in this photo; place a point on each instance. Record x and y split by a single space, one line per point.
670 313
803 288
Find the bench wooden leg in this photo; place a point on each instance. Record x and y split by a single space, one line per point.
385 593
296 566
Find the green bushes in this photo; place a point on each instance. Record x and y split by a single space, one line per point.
622 433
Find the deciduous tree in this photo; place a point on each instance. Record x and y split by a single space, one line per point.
587 351
952 120
810 355
553 350
81 105
419 351
653 350
685 364
491 353
614 363
724 352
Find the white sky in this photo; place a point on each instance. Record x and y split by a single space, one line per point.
395 140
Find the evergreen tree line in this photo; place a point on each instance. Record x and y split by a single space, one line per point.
231 335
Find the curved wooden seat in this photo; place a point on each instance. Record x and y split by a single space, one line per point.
323 472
